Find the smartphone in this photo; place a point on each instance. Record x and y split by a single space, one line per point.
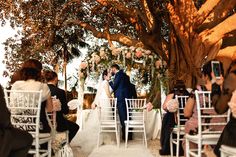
215 65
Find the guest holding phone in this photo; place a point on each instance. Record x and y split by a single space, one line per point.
222 91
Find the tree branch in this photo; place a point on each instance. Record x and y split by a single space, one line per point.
113 37
62 11
218 32
128 13
178 26
186 11
227 52
219 13
148 18
204 11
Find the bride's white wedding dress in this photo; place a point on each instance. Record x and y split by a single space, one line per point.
91 119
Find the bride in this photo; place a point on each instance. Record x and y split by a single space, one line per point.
92 118
102 102
103 91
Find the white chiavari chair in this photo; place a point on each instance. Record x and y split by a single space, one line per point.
25 109
227 151
135 118
108 120
207 132
178 130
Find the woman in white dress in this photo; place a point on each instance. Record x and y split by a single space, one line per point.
103 91
89 135
103 105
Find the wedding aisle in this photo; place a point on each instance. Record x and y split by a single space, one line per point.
85 143
135 148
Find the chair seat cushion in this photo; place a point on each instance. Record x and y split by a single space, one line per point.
42 135
228 150
134 122
210 139
181 130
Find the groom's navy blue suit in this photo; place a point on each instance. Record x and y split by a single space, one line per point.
121 88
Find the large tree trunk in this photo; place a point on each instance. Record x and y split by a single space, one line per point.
192 45
179 69
155 95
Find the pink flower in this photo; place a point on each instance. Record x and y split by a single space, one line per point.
116 51
83 65
97 59
138 54
158 64
132 48
149 106
128 55
164 63
148 52
102 54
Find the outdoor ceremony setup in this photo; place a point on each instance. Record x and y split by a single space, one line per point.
118 78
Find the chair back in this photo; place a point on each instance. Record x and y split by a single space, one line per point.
209 122
25 109
77 104
135 109
227 151
180 119
52 119
107 110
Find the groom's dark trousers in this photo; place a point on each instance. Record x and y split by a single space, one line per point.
121 88
123 116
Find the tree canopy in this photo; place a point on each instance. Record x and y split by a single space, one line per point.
185 33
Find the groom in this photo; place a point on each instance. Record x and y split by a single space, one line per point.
121 87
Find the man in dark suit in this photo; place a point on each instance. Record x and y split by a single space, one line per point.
62 123
13 141
121 87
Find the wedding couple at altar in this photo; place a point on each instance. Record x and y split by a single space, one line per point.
121 87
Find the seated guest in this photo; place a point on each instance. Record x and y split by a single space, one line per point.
190 110
13 142
222 91
30 76
62 123
168 121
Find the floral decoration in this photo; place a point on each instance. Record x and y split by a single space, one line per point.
146 65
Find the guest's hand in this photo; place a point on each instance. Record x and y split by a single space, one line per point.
218 81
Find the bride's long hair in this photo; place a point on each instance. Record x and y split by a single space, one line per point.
104 73
101 79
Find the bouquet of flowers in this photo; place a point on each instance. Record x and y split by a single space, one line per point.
149 106
172 105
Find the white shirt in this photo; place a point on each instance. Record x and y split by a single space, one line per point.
33 85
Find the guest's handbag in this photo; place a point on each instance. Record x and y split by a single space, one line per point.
172 105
